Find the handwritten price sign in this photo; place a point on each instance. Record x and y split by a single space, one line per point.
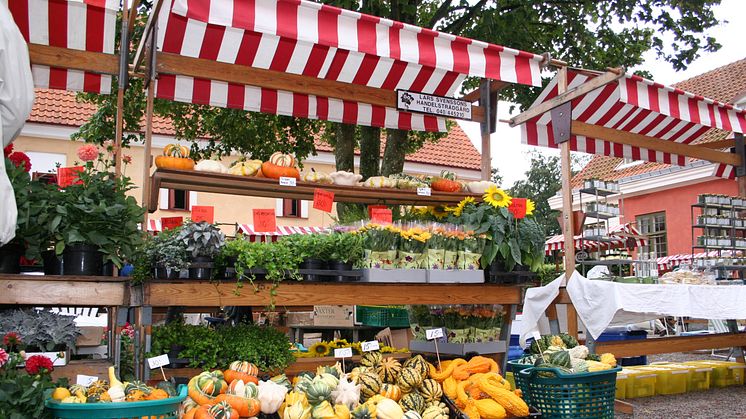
169 223
381 215
67 176
265 221
203 213
158 361
370 346
343 353
518 207
323 200
434 333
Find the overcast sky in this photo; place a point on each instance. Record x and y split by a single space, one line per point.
510 156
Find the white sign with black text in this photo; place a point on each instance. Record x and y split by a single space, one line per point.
371 345
435 105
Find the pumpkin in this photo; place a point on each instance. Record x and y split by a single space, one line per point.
239 388
205 387
411 414
246 167
345 178
413 401
388 409
371 359
175 156
271 396
318 392
97 387
244 406
220 410
370 384
157 394
418 362
274 171
431 390
212 166
135 396
436 412
316 177
341 411
446 182
561 358
389 370
241 370
323 410
136 385
409 379
168 388
361 412
379 182
176 150
283 160
297 410
346 393
391 391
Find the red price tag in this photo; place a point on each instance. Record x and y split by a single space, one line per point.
67 176
518 207
168 223
375 207
381 215
323 200
203 213
265 221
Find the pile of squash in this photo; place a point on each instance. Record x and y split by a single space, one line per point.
564 353
113 390
380 388
233 393
478 389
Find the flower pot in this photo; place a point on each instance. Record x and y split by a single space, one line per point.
200 268
161 272
52 263
10 258
335 265
107 269
312 264
229 270
82 259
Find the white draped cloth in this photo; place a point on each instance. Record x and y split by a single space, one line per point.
16 100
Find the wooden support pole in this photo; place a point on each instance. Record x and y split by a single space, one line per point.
566 170
484 102
147 159
124 46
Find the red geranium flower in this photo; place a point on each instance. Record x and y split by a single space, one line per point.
11 339
8 149
20 158
37 364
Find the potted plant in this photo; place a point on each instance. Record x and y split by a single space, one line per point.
203 242
168 254
170 338
344 250
43 332
310 250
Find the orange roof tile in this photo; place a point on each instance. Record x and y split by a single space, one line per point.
724 84
58 107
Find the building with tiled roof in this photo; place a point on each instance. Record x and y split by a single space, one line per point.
56 115
658 197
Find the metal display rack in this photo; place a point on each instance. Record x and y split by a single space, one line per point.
723 230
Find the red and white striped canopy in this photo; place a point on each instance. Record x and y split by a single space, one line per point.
311 39
672 261
639 106
618 234
248 231
86 25
154 225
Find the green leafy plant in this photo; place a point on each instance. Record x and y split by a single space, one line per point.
40 329
168 335
344 247
201 239
31 200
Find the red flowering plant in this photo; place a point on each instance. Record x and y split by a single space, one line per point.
24 389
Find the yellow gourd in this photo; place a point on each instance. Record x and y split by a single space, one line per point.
594 366
608 359
509 400
447 371
475 365
245 168
461 395
341 411
490 409
471 410
449 387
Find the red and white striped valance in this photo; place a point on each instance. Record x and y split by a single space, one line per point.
639 106
248 231
86 25
154 225
672 261
311 39
618 235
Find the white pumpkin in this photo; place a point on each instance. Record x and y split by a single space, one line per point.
345 178
379 182
479 187
212 166
280 159
317 177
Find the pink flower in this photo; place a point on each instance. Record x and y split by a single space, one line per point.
88 152
127 159
3 357
11 339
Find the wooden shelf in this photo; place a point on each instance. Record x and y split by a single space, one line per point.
290 294
41 290
95 367
270 188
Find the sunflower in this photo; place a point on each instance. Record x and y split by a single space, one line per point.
461 205
497 197
530 207
319 349
439 211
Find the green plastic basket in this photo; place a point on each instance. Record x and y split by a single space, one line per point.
516 367
160 409
382 316
570 396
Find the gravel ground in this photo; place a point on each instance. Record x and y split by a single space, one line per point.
729 402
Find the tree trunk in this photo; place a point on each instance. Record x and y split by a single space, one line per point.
344 148
393 155
370 151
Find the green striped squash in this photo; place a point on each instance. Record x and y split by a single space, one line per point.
409 379
371 359
389 370
431 390
370 384
412 401
418 362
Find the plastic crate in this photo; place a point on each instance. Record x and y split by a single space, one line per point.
565 396
382 316
640 383
631 335
669 379
154 409
699 377
621 385
514 366
724 374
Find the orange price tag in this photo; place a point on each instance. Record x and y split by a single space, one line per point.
203 213
67 176
381 215
265 221
168 223
518 207
374 207
323 199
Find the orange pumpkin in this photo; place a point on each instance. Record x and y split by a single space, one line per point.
241 370
205 387
220 410
274 171
446 182
176 150
190 413
179 163
245 407
157 394
280 159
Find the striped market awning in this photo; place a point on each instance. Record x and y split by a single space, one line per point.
248 231
325 42
635 105
672 261
619 239
154 225
85 25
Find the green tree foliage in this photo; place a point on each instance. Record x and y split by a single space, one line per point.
543 180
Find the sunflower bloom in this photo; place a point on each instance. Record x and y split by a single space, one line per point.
497 197
319 349
530 207
461 205
438 211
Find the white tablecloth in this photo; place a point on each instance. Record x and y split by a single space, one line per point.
601 304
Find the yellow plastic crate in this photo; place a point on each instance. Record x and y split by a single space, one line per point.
724 373
621 385
640 383
699 376
669 379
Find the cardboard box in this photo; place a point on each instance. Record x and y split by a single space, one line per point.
395 275
90 336
397 338
300 318
340 316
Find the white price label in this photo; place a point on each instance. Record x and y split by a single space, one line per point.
343 353
371 346
424 191
158 361
434 333
85 380
287 181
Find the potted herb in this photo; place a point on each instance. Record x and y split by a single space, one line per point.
43 332
344 250
168 254
171 338
310 250
203 242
